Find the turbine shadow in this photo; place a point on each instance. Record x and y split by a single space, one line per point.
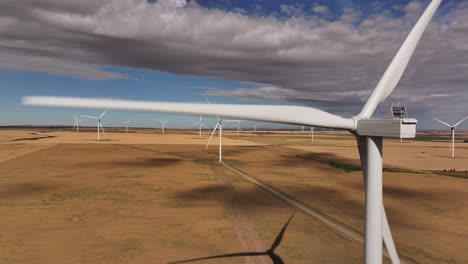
26 189
276 259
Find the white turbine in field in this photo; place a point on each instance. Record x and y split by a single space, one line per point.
163 126
99 123
369 132
452 134
311 133
200 123
220 126
237 126
77 123
126 122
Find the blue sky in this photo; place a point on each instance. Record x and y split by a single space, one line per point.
144 85
185 76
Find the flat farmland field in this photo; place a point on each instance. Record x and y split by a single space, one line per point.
144 197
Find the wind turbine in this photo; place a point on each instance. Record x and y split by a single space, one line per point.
77 123
126 125
311 134
219 125
163 126
200 123
369 132
238 126
99 124
270 252
452 134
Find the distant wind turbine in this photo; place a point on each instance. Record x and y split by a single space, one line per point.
238 126
77 123
311 133
369 131
126 125
219 125
200 123
163 126
452 133
99 123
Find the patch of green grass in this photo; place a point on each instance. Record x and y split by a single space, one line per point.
395 169
429 138
347 167
344 166
456 174
34 138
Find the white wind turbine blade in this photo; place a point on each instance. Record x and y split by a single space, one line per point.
398 65
443 122
459 122
204 126
76 118
295 115
103 114
196 123
212 134
93 117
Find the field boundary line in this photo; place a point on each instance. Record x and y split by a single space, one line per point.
30 153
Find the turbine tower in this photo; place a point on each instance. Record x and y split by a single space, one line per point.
311 134
99 123
126 125
219 125
163 126
77 123
369 132
452 133
238 129
200 123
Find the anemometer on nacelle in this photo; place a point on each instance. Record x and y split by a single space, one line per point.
398 125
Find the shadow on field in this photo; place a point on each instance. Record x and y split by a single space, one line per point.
276 259
25 189
330 201
256 198
142 162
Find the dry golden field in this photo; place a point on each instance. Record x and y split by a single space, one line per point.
142 197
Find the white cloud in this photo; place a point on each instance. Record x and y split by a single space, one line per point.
320 9
295 10
172 3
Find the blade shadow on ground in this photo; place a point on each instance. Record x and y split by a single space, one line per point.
276 259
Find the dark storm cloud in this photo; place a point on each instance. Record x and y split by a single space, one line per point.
305 59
